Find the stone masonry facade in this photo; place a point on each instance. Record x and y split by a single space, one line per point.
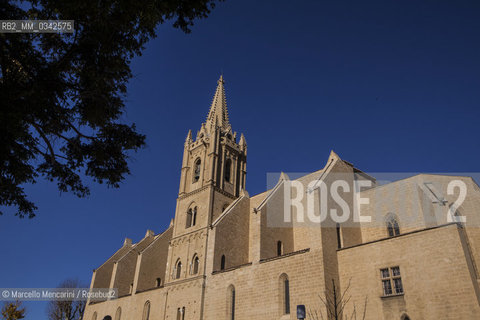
228 255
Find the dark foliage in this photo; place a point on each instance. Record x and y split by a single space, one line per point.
62 96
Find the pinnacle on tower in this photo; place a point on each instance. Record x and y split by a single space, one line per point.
188 140
218 114
242 142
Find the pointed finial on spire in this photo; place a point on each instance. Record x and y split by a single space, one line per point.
218 114
127 242
188 140
242 141
149 233
283 176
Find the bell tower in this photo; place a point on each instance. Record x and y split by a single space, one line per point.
214 158
212 176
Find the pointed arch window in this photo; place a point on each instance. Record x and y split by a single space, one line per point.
392 227
146 311
118 314
195 265
228 170
279 248
222 263
94 317
284 294
197 169
191 217
231 303
178 269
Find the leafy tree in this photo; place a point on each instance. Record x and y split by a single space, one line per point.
68 309
13 311
62 96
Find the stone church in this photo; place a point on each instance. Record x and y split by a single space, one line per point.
229 255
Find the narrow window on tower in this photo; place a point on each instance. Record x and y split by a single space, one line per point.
279 248
196 172
178 269
196 265
222 263
158 282
188 223
228 169
194 216
339 236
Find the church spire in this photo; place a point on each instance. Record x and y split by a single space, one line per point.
218 114
215 158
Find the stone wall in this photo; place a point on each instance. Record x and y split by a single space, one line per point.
154 262
437 276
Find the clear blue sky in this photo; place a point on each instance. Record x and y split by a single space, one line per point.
389 85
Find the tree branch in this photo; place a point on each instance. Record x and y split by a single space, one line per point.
48 155
45 138
69 50
365 308
72 126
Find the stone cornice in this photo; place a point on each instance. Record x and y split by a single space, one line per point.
401 235
285 255
224 193
232 268
186 195
183 235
